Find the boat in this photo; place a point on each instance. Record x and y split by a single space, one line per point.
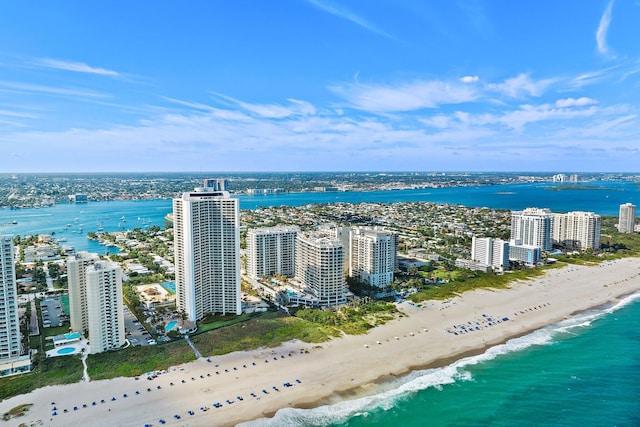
14 222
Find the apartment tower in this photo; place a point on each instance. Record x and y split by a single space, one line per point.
206 224
490 252
320 267
104 306
532 227
77 266
577 230
271 251
372 255
10 346
627 218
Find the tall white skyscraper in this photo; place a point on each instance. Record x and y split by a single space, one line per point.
627 218
577 230
77 266
320 267
372 255
10 346
532 227
490 252
105 306
206 226
271 250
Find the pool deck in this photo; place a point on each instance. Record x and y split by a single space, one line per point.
77 347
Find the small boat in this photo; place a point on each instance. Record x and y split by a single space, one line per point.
14 222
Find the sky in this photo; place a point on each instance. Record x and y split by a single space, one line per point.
320 85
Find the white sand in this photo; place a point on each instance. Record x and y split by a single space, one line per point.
416 341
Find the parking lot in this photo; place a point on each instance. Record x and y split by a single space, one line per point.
136 333
52 315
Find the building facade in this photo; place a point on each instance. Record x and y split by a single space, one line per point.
206 226
105 306
77 266
627 218
271 251
577 230
10 343
490 252
372 255
320 268
532 227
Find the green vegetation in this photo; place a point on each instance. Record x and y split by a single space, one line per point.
269 330
135 361
212 322
51 371
351 319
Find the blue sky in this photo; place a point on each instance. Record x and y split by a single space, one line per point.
320 85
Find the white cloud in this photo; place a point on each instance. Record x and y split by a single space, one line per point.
77 67
27 87
344 13
572 102
408 96
521 86
469 79
603 28
274 111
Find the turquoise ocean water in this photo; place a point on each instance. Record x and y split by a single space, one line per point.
584 371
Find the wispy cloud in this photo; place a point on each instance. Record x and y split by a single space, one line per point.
603 28
274 111
50 90
572 102
78 67
344 13
406 96
521 86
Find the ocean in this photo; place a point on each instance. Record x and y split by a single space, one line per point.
584 371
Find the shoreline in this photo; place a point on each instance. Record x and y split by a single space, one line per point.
341 369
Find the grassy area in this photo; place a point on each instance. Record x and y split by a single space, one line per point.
351 320
220 321
52 371
474 280
269 330
135 361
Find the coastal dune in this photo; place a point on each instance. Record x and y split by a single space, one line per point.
255 384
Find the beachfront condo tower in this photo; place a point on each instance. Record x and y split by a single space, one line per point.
206 225
577 230
372 255
95 301
627 218
532 227
77 282
11 361
271 251
320 268
490 252
105 306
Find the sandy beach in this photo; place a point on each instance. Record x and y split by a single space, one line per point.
255 384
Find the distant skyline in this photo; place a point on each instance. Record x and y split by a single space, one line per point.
320 85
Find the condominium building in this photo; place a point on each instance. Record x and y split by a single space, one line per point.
105 306
532 227
372 255
525 254
319 268
206 224
77 266
627 218
271 251
10 345
490 252
577 230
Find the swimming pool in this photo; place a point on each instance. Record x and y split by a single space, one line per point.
170 286
171 325
66 350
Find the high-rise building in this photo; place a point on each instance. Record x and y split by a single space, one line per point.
532 227
217 184
490 252
560 177
627 218
271 250
10 346
577 230
206 225
77 266
320 268
105 306
372 255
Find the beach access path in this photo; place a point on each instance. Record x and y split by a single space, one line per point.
255 384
